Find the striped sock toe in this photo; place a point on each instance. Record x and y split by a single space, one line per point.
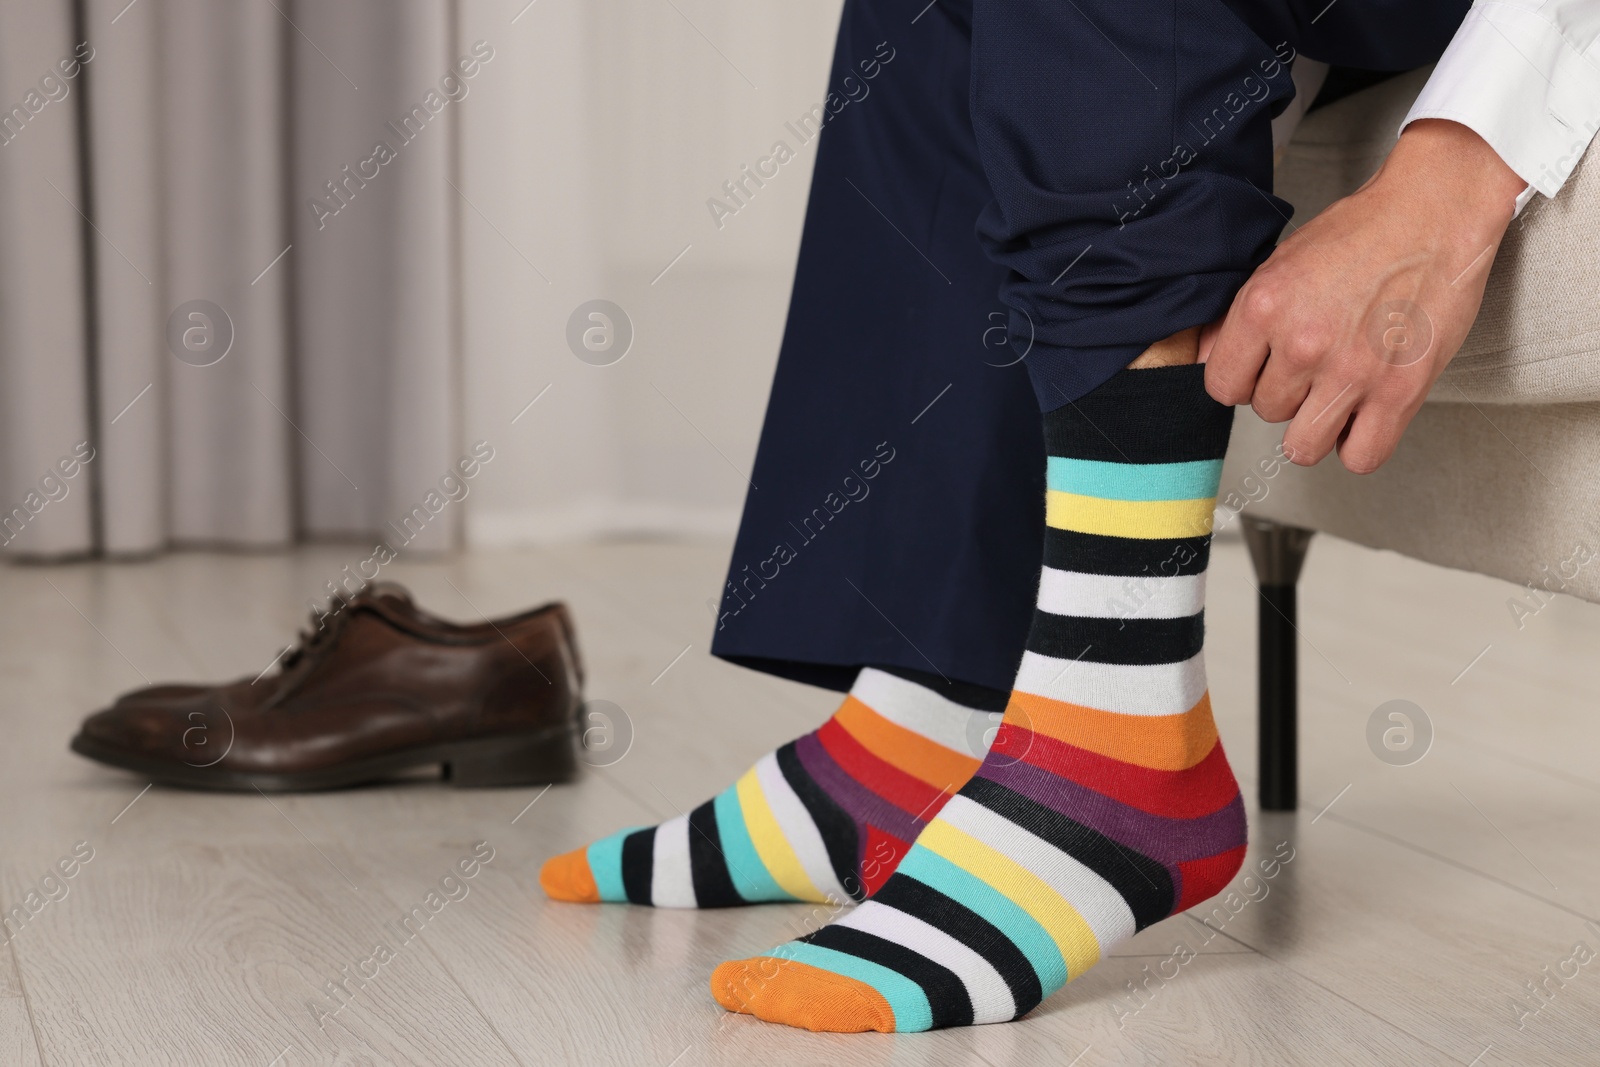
825 818
812 998
1105 803
567 877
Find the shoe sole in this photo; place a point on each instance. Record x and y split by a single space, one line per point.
545 757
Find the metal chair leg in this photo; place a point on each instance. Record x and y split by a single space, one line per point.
1277 552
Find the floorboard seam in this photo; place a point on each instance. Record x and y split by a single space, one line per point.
1359 1007
27 1004
1458 865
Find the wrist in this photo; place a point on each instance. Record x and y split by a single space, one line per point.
1449 166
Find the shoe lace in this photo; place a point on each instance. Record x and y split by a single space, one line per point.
315 637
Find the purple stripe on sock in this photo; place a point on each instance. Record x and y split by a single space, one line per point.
1167 841
861 803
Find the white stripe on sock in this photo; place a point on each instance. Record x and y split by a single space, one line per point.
801 833
1127 689
990 996
671 881
918 709
1102 596
1094 898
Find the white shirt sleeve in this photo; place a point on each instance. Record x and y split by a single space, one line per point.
1525 76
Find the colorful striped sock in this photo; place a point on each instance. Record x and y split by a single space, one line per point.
825 818
1106 803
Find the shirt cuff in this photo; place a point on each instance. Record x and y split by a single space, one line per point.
1525 76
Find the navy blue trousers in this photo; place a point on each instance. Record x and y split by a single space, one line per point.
1011 201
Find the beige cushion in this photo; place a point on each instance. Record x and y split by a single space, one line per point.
1537 338
1500 471
1498 490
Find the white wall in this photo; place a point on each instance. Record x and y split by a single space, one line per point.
589 149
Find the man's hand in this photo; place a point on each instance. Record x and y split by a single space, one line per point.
1345 328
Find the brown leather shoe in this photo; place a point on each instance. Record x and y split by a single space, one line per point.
378 688
393 593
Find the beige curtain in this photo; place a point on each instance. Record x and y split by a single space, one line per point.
213 329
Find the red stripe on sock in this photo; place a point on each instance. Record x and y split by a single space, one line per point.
1205 788
906 792
1205 878
880 858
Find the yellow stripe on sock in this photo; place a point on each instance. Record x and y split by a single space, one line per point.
1145 520
1072 935
771 844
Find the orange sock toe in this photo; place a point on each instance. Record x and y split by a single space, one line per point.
567 877
797 994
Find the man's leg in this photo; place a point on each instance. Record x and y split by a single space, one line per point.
1129 150
881 554
1106 803
896 400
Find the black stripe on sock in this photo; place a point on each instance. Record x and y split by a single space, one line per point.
1159 415
638 862
1067 550
946 993
708 867
1133 641
967 694
838 829
1138 879
916 898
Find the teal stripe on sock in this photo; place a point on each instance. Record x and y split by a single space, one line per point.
1023 930
750 877
1194 480
605 864
906 998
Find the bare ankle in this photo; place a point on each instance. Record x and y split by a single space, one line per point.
1181 348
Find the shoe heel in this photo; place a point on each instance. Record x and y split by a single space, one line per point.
500 762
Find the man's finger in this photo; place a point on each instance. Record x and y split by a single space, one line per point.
1371 440
1320 422
1282 388
1240 347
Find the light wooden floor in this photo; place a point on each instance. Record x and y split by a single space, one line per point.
204 928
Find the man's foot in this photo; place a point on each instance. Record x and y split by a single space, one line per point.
824 818
1106 803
